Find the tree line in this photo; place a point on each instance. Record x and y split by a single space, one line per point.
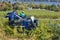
4 6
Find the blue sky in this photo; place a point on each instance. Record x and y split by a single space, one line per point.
37 2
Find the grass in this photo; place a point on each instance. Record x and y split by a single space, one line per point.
46 30
38 13
42 13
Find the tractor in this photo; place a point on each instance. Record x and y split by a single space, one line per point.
26 22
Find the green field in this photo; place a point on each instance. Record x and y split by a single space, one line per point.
38 13
47 29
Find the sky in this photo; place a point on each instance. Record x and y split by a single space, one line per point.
12 1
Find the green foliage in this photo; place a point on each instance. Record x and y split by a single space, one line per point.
53 7
31 5
6 6
42 6
17 6
58 9
21 7
8 30
46 30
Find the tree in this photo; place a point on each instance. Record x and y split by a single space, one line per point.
53 7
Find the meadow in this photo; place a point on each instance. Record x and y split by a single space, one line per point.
37 13
46 30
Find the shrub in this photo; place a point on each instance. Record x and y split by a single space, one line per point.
2 6
20 7
25 5
36 7
48 7
53 7
15 6
58 9
42 6
31 5
9 6
6 6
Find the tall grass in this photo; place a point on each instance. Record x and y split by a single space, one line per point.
46 30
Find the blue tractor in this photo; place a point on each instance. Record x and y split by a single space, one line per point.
27 23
